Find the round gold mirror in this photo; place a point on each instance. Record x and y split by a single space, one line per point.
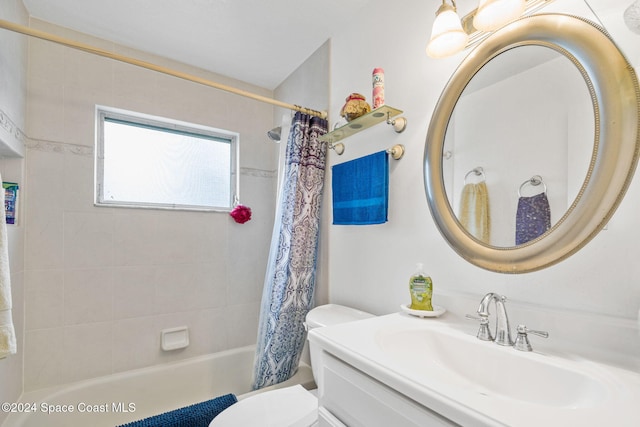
533 143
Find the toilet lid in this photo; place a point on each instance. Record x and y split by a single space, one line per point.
285 407
333 314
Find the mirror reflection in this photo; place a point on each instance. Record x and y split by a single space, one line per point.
518 145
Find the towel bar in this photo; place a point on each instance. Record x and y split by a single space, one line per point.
477 171
397 151
533 181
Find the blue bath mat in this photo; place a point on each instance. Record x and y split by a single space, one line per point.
198 415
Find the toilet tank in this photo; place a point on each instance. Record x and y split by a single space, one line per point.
327 315
333 314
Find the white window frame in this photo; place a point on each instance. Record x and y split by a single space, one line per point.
171 126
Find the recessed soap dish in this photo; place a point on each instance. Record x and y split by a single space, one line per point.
175 338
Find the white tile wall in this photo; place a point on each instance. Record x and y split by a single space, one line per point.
44 354
101 283
45 292
88 296
87 351
13 65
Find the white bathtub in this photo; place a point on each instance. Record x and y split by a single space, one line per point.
129 396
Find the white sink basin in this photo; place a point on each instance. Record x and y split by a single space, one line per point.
490 369
480 383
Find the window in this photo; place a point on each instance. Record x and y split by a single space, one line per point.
144 161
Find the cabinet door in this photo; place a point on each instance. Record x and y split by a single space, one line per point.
327 419
357 400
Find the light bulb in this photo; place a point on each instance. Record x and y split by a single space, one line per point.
493 14
632 17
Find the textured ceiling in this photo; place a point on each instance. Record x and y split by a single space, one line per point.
256 41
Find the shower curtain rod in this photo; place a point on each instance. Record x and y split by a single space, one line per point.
105 53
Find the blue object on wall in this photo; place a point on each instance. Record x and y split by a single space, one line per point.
361 190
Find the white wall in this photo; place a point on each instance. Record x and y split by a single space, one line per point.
370 265
101 283
13 68
12 80
308 86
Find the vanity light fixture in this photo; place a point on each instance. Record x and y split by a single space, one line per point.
493 14
632 17
447 35
451 35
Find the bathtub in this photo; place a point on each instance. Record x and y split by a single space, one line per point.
128 396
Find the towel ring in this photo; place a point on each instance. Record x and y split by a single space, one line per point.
535 180
477 172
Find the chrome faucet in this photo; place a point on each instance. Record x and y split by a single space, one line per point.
503 330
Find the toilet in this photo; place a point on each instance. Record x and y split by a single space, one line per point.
291 406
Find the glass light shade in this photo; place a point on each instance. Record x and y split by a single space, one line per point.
493 14
447 35
632 17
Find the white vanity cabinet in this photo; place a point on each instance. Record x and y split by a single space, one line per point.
401 371
349 397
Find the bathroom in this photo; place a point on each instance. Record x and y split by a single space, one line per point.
109 277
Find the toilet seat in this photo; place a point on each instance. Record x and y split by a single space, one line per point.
286 407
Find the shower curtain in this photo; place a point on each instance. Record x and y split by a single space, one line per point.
290 278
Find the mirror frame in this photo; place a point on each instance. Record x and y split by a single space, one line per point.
613 86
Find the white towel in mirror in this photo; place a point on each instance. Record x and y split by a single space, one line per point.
474 211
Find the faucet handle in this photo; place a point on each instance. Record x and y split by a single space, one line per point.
484 333
522 340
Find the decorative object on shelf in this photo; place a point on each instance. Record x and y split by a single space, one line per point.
451 35
354 107
378 87
632 17
241 214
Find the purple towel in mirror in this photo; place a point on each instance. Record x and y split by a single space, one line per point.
533 217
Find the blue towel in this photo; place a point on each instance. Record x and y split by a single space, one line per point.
198 415
361 190
533 218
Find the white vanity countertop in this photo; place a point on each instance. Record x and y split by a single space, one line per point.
473 382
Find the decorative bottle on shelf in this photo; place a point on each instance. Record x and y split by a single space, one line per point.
421 289
354 107
378 87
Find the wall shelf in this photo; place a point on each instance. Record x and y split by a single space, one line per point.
379 115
